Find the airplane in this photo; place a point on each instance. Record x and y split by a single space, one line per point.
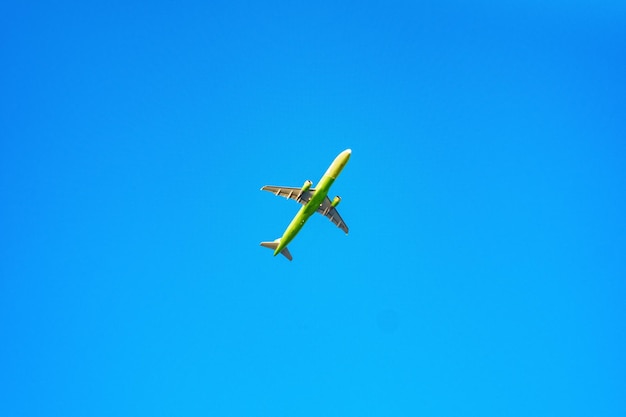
312 200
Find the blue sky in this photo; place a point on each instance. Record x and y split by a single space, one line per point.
484 270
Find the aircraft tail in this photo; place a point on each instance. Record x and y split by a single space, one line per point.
273 245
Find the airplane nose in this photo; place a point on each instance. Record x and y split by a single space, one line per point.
345 155
340 161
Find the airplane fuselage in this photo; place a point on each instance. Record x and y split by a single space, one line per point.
321 191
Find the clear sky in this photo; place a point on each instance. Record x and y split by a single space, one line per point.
484 273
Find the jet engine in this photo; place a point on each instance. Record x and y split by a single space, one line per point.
335 201
305 187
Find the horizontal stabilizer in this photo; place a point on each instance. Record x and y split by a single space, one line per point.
273 245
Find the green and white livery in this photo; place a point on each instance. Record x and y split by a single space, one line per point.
312 200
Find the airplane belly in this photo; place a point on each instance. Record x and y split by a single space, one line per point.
295 226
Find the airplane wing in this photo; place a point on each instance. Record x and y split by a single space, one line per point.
291 193
294 193
326 209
